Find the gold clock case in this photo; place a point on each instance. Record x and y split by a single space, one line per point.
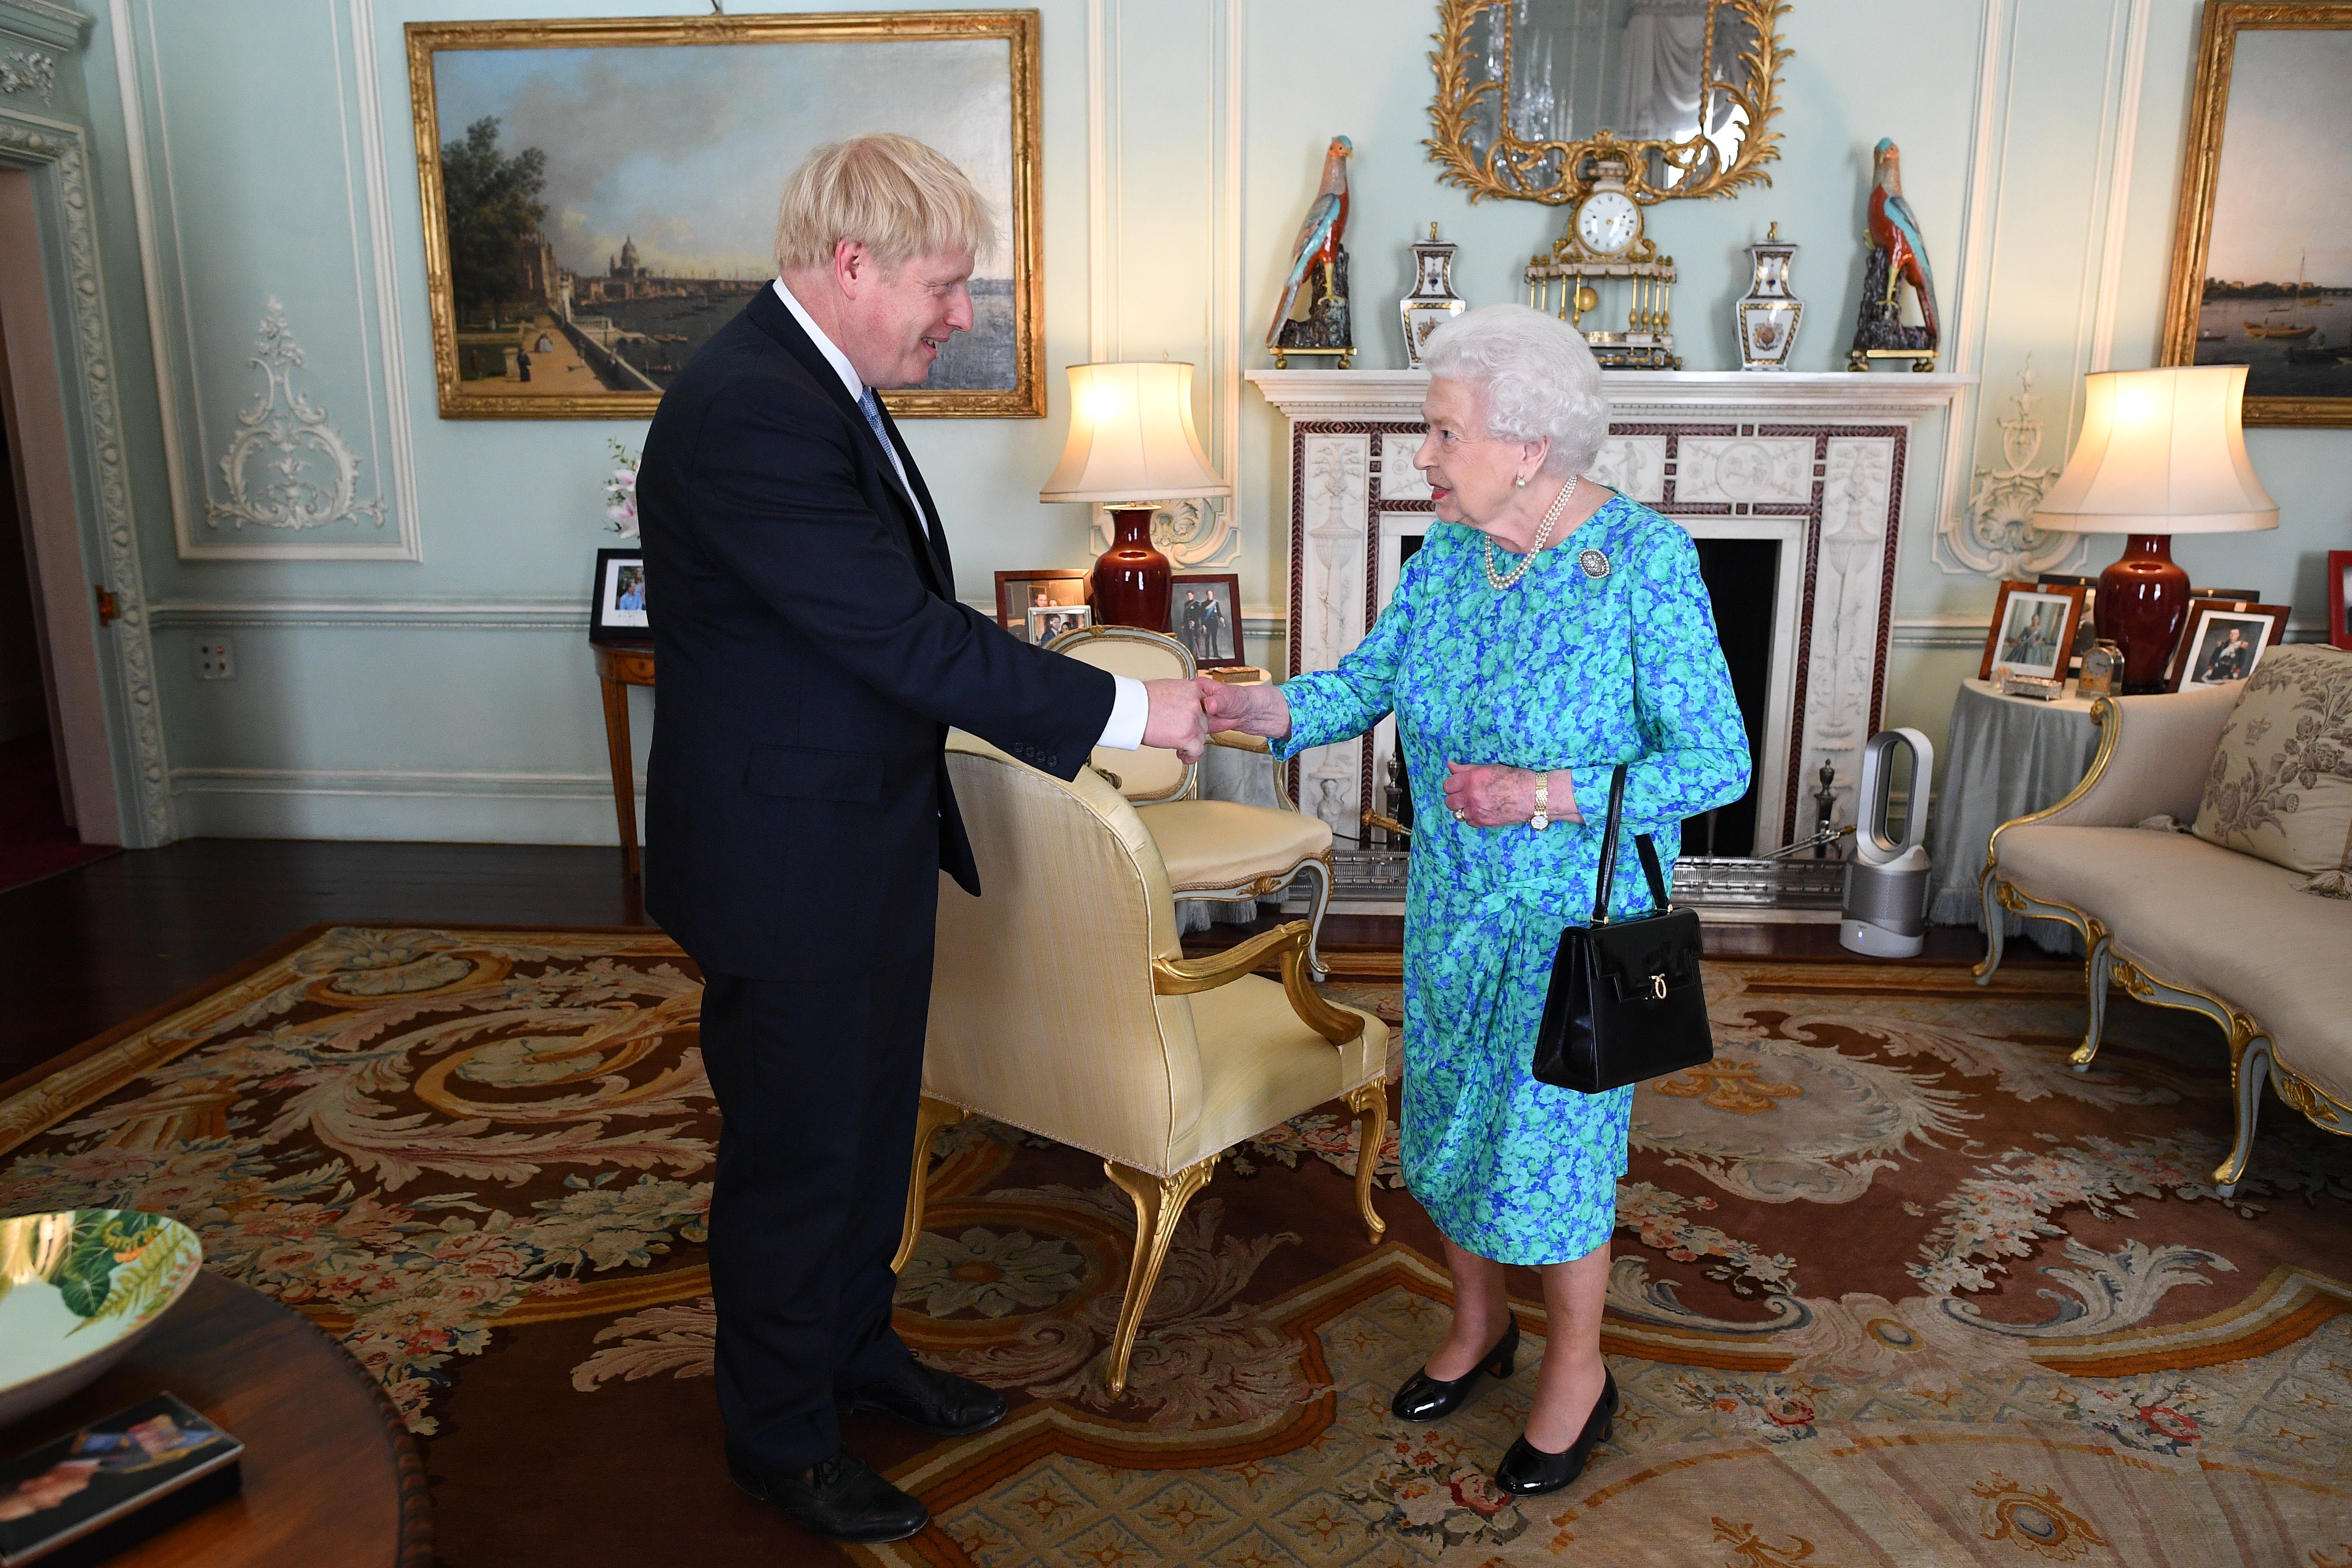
1507 170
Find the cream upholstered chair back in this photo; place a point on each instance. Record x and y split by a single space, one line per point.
1149 774
1053 963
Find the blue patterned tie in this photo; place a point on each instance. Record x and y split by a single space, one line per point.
871 407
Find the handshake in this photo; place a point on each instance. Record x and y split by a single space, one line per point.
1184 713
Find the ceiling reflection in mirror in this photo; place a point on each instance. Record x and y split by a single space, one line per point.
1528 87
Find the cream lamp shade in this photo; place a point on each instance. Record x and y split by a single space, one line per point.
2162 451
1131 437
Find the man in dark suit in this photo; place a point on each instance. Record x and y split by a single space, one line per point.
811 657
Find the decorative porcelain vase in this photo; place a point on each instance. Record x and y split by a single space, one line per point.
1768 313
1130 578
1432 302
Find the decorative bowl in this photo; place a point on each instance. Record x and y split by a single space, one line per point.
77 1290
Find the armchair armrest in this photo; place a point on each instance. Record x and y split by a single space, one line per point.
2154 754
1185 976
1239 742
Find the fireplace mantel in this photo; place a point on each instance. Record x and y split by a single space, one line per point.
1815 462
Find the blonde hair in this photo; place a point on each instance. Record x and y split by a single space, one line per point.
1534 374
896 197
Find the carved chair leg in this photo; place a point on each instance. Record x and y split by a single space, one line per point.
1158 1204
2098 965
1370 1103
933 1115
1318 903
2249 1064
1994 924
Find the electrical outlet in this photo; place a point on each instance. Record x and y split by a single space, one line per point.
215 659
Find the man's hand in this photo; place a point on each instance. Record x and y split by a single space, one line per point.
1250 710
1174 720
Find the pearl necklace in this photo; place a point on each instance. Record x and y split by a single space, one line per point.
1495 579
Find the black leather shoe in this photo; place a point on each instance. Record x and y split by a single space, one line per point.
1425 1398
929 1400
1527 1469
840 1498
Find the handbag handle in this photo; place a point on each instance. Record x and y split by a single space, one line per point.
1642 845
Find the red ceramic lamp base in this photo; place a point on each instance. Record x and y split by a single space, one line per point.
1130 578
2143 599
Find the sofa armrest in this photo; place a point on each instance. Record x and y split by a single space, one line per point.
2154 754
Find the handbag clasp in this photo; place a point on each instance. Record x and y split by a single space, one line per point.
1658 986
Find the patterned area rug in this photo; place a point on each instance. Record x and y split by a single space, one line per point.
1892 1285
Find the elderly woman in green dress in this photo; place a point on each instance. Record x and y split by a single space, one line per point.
1547 630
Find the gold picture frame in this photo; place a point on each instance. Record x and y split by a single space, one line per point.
2202 331
1510 168
612 392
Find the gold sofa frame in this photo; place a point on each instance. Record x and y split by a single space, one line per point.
2252 1053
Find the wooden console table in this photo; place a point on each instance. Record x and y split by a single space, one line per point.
619 666
332 1478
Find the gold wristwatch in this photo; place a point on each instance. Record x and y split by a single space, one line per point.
1542 818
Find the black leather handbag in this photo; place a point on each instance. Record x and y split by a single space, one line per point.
1626 1002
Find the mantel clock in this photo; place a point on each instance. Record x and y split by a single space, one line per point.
1605 243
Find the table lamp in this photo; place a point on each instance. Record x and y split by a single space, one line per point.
2162 452
1132 440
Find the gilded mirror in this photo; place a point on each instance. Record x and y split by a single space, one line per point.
1529 91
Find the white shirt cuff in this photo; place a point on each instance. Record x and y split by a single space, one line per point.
1127 711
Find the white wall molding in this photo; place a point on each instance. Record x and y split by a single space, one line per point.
398 805
1980 234
491 614
2137 22
400 477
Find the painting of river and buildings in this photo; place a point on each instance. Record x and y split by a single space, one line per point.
2267 214
601 196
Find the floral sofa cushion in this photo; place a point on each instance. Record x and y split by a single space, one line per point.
2281 783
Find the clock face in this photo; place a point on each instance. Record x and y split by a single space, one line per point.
1608 222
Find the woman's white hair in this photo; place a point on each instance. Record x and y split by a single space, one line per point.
1534 377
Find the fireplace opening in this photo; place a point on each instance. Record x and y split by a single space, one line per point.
1742 576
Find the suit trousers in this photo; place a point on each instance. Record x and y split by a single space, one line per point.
818 1081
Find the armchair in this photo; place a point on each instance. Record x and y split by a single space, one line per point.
1061 1004
1220 849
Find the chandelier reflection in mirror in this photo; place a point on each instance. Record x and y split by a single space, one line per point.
1529 92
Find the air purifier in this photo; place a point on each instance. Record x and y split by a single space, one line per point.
1885 910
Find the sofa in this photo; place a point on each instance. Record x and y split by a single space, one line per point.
2180 919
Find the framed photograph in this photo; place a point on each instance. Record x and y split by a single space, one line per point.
2261 250
2032 630
2224 641
1205 615
2339 597
600 194
1037 588
1047 622
617 605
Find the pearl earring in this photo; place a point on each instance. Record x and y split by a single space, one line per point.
1521 483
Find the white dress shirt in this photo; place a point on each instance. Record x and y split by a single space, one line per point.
1131 706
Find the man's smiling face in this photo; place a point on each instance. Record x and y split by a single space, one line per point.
900 317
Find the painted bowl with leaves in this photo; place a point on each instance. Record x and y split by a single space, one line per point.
78 1288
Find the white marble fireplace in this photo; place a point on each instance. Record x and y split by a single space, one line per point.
1814 463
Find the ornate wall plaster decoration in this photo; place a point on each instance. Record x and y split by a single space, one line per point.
28 71
286 467
28 141
1993 530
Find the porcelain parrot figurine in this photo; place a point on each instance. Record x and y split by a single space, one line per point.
1895 231
1319 236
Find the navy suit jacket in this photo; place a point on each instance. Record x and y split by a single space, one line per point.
810 656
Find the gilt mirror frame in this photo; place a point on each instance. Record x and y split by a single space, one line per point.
1504 172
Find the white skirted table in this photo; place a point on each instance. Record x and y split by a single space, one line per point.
2003 757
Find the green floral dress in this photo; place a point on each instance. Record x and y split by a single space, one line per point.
1605 652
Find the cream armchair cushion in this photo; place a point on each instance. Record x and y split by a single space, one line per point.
1213 849
1061 1002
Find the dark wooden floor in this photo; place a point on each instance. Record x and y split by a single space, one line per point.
97 946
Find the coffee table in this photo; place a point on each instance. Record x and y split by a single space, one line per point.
332 1478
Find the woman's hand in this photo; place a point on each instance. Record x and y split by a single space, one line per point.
1253 709
1487 795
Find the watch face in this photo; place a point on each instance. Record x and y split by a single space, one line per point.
1607 222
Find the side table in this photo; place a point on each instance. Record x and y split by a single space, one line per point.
619 666
2003 757
332 1478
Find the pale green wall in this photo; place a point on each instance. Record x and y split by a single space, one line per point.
450 697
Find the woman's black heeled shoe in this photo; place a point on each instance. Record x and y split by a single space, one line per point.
1527 1470
1426 1398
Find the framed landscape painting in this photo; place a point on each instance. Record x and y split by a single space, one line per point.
600 196
2261 257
